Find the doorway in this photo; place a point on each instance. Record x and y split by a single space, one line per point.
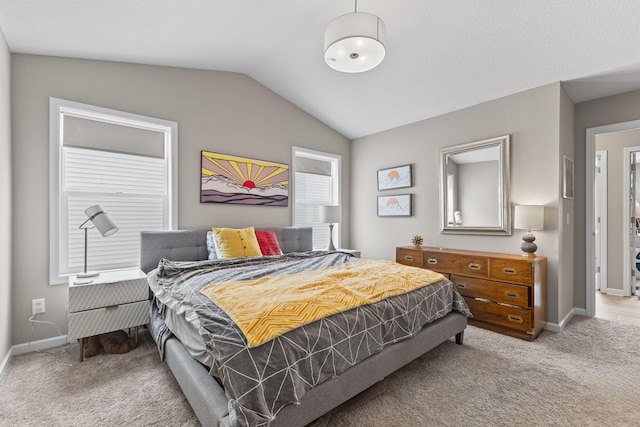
615 212
594 260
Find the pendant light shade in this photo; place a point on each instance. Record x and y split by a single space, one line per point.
354 43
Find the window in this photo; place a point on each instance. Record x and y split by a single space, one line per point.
316 183
123 162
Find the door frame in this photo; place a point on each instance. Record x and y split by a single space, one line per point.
604 262
590 160
628 264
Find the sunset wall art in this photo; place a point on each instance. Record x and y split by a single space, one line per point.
398 205
239 180
398 177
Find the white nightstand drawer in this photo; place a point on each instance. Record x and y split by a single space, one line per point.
93 322
95 295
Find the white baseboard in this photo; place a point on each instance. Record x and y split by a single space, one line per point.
580 312
616 292
558 327
38 345
5 361
553 327
567 318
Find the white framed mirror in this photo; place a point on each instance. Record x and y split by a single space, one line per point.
474 187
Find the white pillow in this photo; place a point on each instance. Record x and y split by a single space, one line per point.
212 246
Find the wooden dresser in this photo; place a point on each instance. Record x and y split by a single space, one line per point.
506 293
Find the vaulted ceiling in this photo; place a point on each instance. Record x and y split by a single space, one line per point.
441 55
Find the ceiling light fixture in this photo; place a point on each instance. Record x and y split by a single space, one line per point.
354 43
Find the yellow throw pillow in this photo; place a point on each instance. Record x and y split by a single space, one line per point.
236 242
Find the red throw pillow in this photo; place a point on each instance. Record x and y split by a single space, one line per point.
268 243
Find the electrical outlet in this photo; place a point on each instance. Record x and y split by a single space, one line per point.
37 306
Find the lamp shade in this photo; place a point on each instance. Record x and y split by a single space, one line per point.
101 220
354 43
529 217
330 214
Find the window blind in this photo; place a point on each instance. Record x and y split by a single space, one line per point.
312 192
90 133
130 188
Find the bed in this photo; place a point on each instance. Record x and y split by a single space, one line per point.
184 253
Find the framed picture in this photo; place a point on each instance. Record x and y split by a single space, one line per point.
239 180
398 205
391 178
567 178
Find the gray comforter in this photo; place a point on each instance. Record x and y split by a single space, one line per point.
262 380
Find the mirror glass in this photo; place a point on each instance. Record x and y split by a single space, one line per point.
475 187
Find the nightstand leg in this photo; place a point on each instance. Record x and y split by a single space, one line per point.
81 349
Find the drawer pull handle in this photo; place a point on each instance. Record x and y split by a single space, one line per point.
474 266
512 294
514 318
408 258
432 261
461 285
506 270
112 307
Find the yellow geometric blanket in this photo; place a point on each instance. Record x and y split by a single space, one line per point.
268 307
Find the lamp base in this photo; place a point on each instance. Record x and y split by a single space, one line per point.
331 246
528 247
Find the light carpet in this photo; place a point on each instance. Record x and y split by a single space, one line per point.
587 375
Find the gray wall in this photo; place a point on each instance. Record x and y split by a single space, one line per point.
566 215
532 118
5 198
614 143
216 111
599 112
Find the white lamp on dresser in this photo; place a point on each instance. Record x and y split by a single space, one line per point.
529 217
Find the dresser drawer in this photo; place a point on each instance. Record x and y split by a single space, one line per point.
495 291
96 295
519 271
502 315
93 322
474 266
408 256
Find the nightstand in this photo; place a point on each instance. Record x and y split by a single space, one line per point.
109 302
354 252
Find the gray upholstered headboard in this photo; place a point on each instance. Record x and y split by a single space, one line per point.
191 245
